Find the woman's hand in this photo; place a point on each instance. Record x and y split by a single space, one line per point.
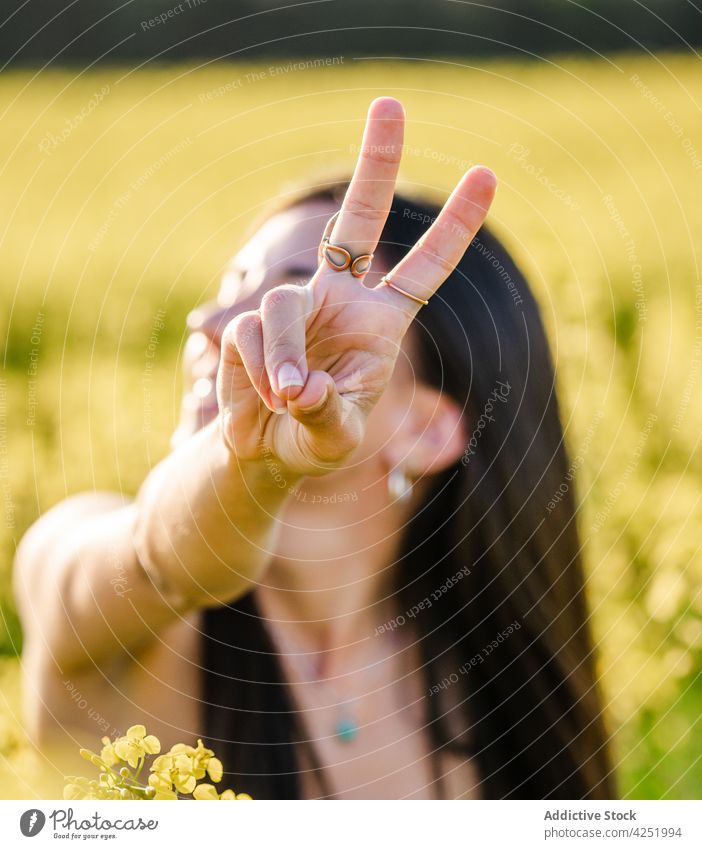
324 353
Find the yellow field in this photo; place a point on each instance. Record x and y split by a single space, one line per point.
123 194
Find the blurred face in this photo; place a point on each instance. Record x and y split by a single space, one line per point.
284 250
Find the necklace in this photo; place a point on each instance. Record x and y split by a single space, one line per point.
346 726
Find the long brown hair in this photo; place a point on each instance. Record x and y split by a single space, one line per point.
506 649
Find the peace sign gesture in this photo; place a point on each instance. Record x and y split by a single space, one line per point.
323 353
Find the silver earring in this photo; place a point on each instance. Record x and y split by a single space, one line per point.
399 486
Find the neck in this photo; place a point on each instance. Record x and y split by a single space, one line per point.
332 579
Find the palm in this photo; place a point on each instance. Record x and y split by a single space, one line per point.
354 336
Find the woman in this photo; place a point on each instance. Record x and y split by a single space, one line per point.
345 576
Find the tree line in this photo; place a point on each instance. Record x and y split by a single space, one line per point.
37 32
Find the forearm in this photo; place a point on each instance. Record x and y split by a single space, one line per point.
96 582
206 521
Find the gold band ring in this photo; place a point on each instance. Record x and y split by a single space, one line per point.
339 258
409 295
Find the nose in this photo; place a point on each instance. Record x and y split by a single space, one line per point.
210 319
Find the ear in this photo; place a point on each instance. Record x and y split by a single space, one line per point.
431 435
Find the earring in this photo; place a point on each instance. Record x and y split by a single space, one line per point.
399 486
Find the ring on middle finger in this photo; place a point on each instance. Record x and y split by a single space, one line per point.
338 258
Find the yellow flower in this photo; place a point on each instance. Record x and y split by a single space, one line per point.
171 775
108 754
184 777
135 744
77 788
90 756
81 788
215 770
184 766
163 763
205 792
164 795
230 794
161 781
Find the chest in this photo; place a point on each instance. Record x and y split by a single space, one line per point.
376 745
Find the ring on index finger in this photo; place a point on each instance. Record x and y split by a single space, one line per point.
338 258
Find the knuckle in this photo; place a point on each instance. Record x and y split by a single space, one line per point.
361 209
280 351
241 329
456 225
384 153
281 295
445 266
228 337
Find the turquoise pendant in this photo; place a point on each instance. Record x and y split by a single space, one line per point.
346 730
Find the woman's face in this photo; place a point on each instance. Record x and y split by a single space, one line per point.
283 250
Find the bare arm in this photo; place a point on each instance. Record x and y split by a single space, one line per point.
202 525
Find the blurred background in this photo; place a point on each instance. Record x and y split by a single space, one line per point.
137 142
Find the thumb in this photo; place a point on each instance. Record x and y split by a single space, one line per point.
333 424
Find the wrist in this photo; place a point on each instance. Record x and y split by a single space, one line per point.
267 481
264 475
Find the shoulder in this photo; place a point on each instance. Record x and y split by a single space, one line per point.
65 516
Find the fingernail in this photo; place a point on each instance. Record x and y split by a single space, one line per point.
289 375
318 406
278 404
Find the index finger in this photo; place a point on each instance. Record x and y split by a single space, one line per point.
425 267
369 195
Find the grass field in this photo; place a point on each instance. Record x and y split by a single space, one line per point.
124 193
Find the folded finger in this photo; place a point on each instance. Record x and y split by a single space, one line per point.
242 354
284 312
